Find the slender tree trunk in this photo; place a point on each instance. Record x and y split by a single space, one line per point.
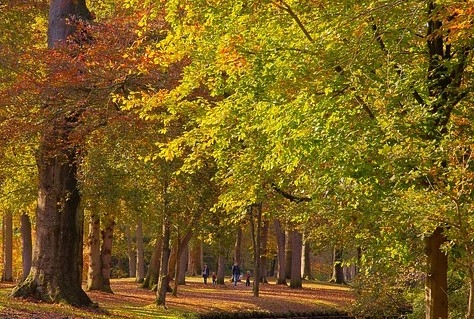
256 229
264 252
296 252
131 253
57 264
7 247
238 247
470 304
151 279
106 255
27 245
288 253
140 252
337 268
220 266
307 260
280 239
94 277
436 279
163 280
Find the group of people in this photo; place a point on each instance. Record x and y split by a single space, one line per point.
236 275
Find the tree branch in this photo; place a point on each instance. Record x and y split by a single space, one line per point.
290 197
285 7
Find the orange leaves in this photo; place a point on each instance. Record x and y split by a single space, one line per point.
228 57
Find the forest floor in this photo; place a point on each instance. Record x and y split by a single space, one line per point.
193 299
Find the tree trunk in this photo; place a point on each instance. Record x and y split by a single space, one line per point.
140 252
436 279
280 240
106 256
94 278
256 229
238 247
288 254
131 254
27 245
264 252
337 268
296 252
151 279
183 264
180 250
56 272
306 260
7 247
220 266
194 258
470 305
163 280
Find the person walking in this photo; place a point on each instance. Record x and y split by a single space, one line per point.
235 273
247 280
205 273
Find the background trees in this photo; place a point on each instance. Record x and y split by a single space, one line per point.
353 118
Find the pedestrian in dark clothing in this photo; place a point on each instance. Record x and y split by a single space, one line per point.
247 280
205 273
235 273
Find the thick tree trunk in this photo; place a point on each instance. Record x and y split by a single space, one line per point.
94 278
151 279
131 254
27 245
280 240
296 252
337 268
56 270
436 279
7 247
106 255
194 259
140 252
183 264
180 250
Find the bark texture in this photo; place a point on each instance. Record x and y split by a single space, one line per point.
436 279
140 275
55 275
280 240
27 245
296 252
7 247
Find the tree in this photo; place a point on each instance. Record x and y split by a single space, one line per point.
55 275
